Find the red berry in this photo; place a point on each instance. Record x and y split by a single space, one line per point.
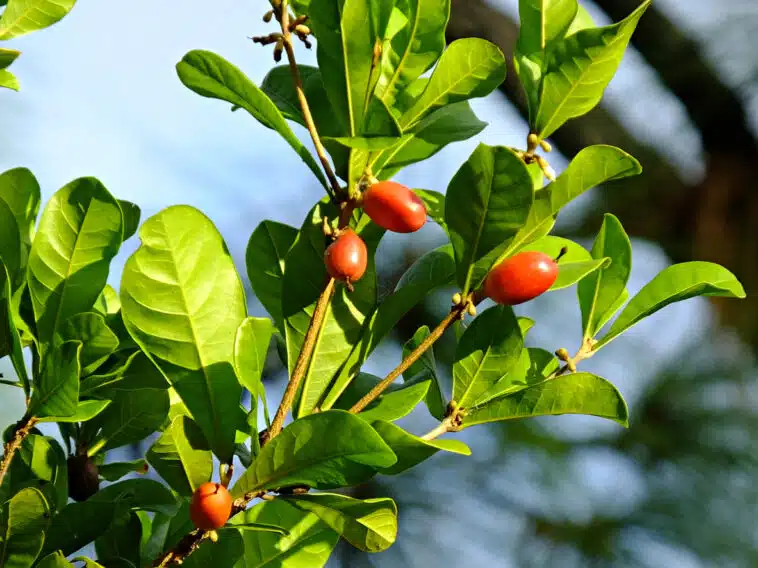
521 278
346 258
394 207
211 506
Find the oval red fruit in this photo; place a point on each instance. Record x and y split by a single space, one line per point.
211 506
347 257
521 278
395 207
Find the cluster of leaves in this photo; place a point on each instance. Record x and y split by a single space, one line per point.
175 352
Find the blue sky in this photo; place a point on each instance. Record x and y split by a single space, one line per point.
100 97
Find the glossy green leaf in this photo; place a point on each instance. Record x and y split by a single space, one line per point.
7 56
250 351
122 542
10 243
167 530
132 215
182 456
425 369
225 553
434 202
266 251
280 88
80 231
20 191
412 450
98 341
569 273
468 68
210 75
136 372
576 393
342 450
581 21
182 302
486 352
577 70
132 416
369 524
674 284
54 560
8 80
575 264
85 410
345 315
433 270
23 522
10 342
78 524
451 123
116 470
393 404
24 16
56 391
372 143
41 463
543 21
309 541
487 202
599 293
108 302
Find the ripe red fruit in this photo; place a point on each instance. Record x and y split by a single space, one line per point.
211 506
521 278
394 207
346 258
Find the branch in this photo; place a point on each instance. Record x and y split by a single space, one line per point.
23 428
455 314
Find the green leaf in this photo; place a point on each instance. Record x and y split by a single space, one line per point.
98 341
182 302
365 143
486 352
573 266
451 123
250 351
85 410
136 372
78 524
576 393
542 22
20 191
674 284
167 531
80 231
433 270
369 525
23 522
342 450
56 393
391 405
425 369
10 243
210 75
590 167
10 342
412 450
582 21
345 315
309 541
41 463
7 56
434 201
54 560
132 416
468 68
24 16
122 541
599 293
108 302
225 553
116 470
280 88
264 258
182 456
487 202
414 41
577 70
132 215
8 80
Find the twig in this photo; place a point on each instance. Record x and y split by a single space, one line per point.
442 428
23 428
303 359
455 314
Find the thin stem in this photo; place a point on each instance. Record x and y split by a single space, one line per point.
414 356
23 428
441 428
303 359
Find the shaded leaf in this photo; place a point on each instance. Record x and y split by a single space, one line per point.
116 470
10 342
250 351
425 369
85 410
132 416
23 522
98 341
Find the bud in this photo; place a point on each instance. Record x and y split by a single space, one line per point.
545 145
213 535
457 299
471 308
268 15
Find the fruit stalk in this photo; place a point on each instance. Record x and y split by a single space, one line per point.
23 428
455 314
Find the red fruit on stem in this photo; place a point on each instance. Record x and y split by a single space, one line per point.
521 278
394 207
211 506
347 257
